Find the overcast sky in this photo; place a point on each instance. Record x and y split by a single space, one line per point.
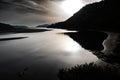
33 12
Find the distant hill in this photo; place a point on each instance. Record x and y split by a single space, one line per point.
103 15
7 28
21 27
43 25
4 26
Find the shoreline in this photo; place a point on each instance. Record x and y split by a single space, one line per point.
11 38
22 31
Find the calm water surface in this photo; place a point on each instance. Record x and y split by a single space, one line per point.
41 53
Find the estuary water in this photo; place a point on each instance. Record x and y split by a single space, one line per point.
40 55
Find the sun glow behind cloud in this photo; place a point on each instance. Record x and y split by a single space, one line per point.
71 6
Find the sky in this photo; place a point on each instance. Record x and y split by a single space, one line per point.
35 12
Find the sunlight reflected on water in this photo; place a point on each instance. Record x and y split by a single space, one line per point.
50 45
40 51
71 46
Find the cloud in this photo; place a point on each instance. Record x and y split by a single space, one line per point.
32 11
31 6
29 12
23 6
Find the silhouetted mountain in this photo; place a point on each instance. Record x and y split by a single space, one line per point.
102 15
99 16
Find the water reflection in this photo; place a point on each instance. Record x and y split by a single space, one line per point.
44 53
71 46
90 40
105 45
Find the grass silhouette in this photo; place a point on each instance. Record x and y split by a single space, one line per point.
89 72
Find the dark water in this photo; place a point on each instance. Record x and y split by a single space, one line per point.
40 55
